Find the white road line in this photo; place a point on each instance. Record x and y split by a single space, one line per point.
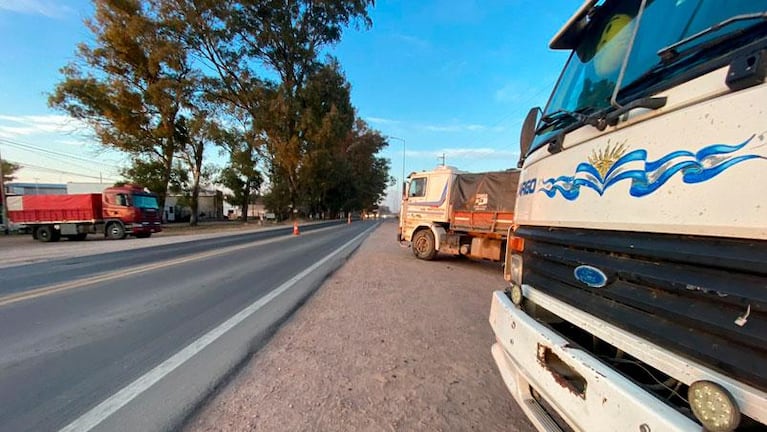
102 411
121 274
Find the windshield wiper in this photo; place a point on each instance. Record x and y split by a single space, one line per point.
671 52
558 117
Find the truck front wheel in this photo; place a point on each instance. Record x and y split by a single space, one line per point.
115 231
423 245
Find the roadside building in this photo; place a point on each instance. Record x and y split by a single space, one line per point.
256 210
16 188
210 206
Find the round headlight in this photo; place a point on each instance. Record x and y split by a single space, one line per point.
516 294
714 406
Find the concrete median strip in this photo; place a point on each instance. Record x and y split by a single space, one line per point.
95 418
80 283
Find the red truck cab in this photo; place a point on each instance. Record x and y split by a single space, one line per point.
132 207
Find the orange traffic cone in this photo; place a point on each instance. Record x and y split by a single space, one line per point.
295 228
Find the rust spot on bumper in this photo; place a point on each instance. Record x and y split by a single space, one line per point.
563 374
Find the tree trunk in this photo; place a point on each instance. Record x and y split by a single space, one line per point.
245 201
168 149
196 174
195 200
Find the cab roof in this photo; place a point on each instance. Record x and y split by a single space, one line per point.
567 37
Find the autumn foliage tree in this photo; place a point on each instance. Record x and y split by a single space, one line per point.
164 79
130 85
9 168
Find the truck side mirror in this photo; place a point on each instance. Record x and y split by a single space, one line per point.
528 133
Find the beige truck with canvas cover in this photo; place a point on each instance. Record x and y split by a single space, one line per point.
458 213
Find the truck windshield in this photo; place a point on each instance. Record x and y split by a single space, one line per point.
591 74
145 201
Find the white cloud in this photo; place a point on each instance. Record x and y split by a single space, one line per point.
485 153
413 41
48 8
471 127
18 126
381 120
438 128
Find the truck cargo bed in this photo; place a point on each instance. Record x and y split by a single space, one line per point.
496 222
30 209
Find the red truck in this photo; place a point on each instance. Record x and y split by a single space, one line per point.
117 212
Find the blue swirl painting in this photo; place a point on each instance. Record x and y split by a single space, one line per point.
648 176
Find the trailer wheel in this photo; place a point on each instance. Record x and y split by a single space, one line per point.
423 245
115 231
46 234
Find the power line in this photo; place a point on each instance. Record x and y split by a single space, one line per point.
53 170
72 164
33 148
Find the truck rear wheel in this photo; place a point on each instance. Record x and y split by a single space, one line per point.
115 231
423 245
46 234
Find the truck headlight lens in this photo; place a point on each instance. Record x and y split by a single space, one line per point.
714 406
515 271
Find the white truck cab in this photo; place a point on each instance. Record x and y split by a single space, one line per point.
638 270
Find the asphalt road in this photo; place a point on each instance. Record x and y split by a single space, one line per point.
65 351
25 277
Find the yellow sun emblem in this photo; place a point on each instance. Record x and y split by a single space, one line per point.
604 159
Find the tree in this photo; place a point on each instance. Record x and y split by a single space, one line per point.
370 171
9 168
286 36
149 173
130 85
194 135
327 118
241 176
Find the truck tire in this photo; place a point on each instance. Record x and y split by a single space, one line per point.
423 245
115 231
44 233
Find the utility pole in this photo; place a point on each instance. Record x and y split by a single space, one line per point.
3 200
442 158
403 159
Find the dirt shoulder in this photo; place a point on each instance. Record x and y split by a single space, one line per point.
387 343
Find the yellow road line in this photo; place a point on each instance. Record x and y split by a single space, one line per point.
117 274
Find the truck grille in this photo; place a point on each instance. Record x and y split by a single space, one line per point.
683 293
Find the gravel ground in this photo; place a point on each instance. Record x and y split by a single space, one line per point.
388 342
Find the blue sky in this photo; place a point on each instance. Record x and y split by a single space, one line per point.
446 76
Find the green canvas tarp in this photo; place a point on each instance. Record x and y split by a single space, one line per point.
492 191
